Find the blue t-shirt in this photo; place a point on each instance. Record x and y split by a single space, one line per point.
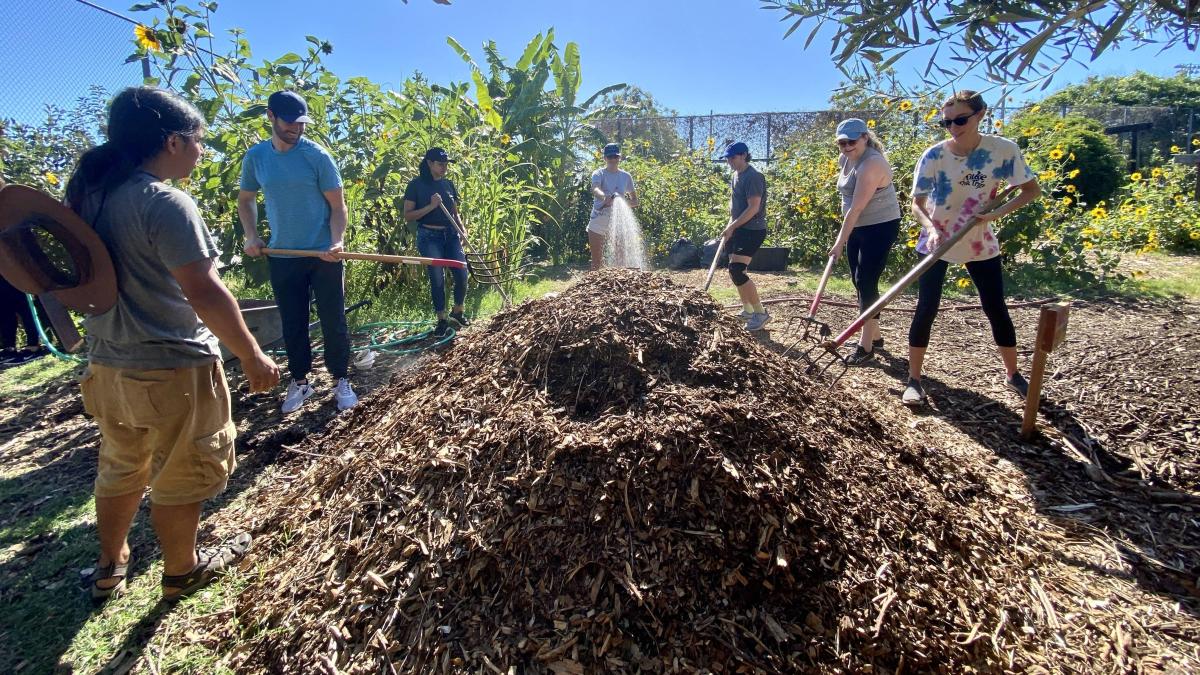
293 185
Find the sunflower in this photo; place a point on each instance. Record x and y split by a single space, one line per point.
51 178
1194 235
1135 176
1070 188
963 283
1066 201
1074 173
870 124
1180 200
933 112
905 106
1057 154
1157 172
145 38
1141 212
1196 141
1098 213
1176 149
1046 175
505 139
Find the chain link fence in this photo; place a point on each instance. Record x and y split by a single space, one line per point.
62 60
768 133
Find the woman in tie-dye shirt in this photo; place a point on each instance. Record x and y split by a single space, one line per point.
954 186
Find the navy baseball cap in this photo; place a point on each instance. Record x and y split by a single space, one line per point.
851 129
437 155
612 150
738 148
289 107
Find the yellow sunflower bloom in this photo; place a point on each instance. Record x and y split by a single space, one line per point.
1088 244
963 283
1071 157
1098 213
1033 131
1194 235
999 124
1196 141
1141 212
51 178
144 35
1057 154
1067 201
1180 200
933 112
1046 175
905 106
1070 188
505 139
711 142
1074 173
1135 176
870 124
1157 172
1176 149
912 243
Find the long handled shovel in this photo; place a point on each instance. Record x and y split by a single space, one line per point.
376 257
485 266
712 268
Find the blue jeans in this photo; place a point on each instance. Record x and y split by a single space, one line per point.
442 244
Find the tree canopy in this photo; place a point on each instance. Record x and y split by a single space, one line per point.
1011 41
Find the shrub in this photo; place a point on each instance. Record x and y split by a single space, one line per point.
1083 145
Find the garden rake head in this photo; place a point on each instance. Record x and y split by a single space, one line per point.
486 266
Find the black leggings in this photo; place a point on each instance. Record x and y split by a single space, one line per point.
867 252
14 306
988 278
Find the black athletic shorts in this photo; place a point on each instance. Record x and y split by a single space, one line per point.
746 242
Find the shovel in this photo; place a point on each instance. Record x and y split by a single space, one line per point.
712 268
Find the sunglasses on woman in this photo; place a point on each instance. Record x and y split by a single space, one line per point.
846 142
960 120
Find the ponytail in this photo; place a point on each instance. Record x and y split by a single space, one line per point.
140 120
423 169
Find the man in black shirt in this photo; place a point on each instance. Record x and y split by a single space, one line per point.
437 237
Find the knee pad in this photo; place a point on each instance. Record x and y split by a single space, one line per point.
737 272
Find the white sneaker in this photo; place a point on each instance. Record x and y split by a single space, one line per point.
297 394
745 315
346 398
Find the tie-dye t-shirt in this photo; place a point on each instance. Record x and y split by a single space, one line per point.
959 187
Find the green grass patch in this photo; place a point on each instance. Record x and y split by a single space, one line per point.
30 379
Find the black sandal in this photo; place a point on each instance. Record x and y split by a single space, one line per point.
109 571
211 564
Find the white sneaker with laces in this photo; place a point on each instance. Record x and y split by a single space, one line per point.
296 395
346 398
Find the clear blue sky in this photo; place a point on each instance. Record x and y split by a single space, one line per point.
693 55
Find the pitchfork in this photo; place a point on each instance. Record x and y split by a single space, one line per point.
484 266
830 347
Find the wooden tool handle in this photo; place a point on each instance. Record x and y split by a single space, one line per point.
712 268
375 257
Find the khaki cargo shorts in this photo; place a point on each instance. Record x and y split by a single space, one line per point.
169 429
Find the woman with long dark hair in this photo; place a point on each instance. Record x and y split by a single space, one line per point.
154 381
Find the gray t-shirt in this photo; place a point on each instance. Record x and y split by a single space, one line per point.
610 182
150 228
749 183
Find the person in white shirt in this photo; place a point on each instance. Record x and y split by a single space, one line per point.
953 184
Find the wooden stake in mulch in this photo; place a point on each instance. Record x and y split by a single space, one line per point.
1052 329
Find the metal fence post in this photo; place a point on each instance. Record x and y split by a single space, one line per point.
768 155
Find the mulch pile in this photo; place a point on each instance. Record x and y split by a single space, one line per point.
622 479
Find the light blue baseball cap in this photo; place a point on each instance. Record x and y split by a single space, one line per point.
851 129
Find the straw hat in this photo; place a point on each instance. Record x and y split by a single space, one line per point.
46 248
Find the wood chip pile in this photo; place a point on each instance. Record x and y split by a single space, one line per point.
621 479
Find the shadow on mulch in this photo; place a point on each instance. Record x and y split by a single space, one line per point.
1087 495
58 455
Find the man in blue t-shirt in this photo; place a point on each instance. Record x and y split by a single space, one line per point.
302 190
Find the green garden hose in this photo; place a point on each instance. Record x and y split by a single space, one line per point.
37 323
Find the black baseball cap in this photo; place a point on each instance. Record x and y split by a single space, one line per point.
289 107
437 155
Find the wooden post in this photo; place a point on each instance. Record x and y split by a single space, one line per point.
1052 330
